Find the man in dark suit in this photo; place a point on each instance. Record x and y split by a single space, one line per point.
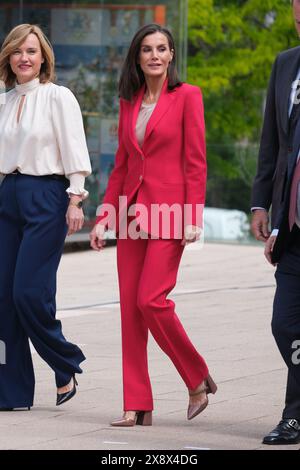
276 185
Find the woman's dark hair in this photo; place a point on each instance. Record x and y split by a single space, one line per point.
132 76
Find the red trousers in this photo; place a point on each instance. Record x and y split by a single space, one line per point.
147 274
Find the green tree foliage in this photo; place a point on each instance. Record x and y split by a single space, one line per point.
232 46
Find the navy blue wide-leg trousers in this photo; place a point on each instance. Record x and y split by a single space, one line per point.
32 233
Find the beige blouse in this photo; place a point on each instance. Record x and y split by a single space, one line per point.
144 115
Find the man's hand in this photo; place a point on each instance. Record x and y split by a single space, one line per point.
269 248
97 237
259 225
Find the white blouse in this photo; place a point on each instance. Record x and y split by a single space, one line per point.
49 137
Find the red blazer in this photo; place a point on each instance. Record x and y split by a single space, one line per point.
171 165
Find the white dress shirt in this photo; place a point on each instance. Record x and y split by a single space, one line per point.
49 137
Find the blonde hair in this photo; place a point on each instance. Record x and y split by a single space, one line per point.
13 40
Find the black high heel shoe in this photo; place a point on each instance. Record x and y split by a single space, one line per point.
63 397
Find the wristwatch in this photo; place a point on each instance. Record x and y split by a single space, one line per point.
77 204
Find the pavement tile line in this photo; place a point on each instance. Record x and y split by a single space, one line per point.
115 443
110 303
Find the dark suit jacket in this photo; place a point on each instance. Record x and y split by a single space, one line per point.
269 186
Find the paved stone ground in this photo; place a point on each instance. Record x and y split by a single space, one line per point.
224 299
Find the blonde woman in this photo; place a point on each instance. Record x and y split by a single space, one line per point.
44 158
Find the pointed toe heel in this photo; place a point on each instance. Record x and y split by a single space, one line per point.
194 410
64 397
142 418
207 386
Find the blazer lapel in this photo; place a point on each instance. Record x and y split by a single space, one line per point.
135 107
162 106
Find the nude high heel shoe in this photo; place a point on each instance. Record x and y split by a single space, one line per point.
207 386
142 418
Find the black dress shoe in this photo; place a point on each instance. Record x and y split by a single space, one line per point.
6 409
63 397
287 432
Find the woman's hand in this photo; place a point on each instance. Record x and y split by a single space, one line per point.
269 248
74 215
97 237
191 234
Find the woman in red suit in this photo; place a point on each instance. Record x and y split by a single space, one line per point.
160 162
